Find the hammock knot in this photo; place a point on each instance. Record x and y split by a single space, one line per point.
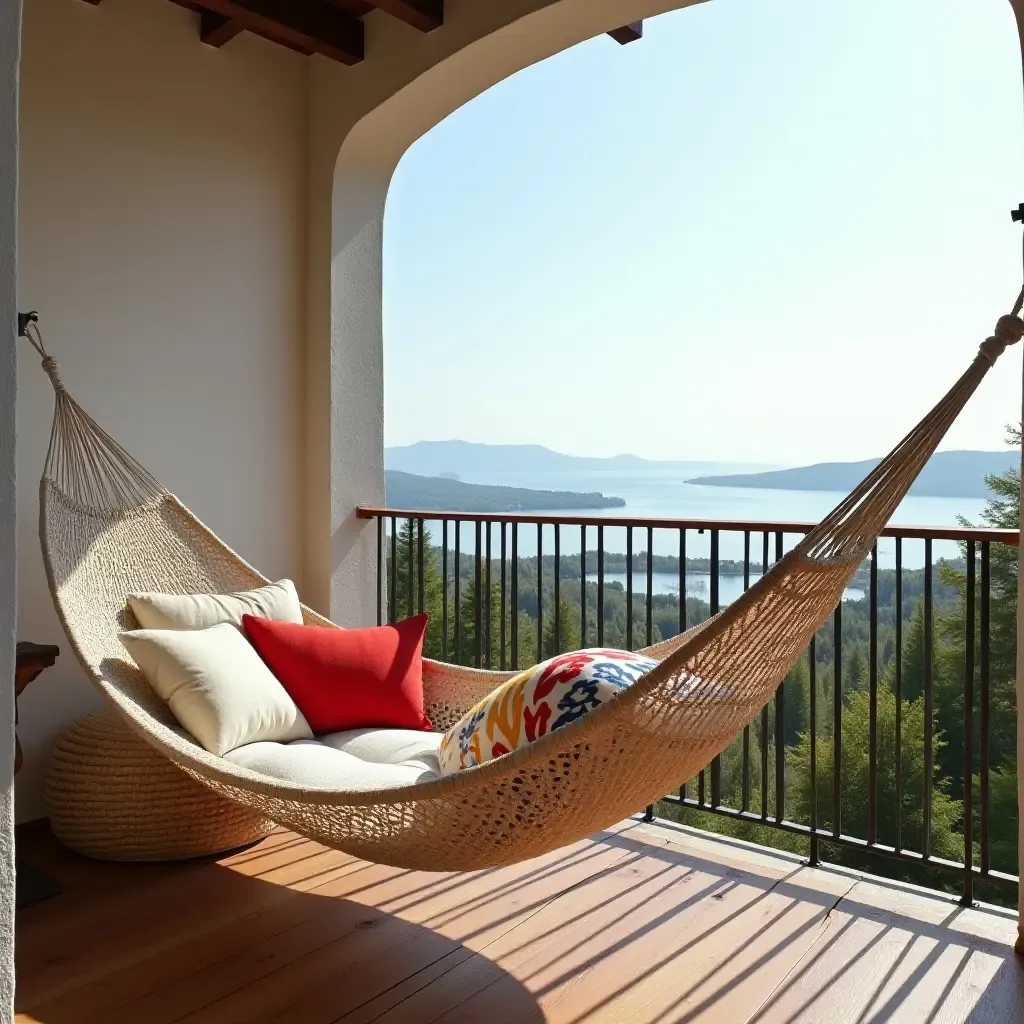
52 370
1009 330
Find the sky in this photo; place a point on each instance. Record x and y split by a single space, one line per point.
770 231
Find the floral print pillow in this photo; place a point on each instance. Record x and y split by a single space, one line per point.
540 700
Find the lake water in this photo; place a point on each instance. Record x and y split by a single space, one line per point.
698 584
663 493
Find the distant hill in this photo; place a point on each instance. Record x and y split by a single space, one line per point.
408 490
947 475
439 458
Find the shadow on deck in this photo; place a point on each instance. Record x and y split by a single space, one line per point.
646 924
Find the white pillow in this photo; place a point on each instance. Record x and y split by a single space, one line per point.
217 686
201 611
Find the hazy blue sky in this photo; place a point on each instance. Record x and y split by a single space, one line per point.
772 230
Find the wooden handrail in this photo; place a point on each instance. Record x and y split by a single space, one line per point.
954 533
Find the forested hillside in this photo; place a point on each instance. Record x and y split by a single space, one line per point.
846 677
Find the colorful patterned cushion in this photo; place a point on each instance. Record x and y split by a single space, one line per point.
540 700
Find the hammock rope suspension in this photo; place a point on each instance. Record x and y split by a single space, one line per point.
108 528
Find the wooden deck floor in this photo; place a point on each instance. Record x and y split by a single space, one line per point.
642 924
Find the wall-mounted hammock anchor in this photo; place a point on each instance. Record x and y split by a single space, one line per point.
24 320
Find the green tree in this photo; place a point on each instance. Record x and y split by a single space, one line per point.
912 673
1003 817
490 626
407 583
1002 510
946 841
568 621
855 670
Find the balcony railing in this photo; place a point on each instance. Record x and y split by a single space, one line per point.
892 738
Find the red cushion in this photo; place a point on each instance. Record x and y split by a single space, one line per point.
347 678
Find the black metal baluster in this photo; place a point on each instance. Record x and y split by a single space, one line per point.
381 572
929 702
600 586
411 572
478 603
457 640
745 798
837 720
629 588
488 660
650 584
513 599
716 764
812 676
898 672
444 589
421 595
780 723
501 603
583 587
558 598
540 592
649 813
393 578
968 895
986 640
873 701
682 581
764 712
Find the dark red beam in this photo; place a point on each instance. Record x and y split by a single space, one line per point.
628 33
426 15
216 29
307 27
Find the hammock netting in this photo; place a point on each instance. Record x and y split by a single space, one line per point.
108 528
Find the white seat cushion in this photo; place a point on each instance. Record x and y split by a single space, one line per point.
315 765
389 746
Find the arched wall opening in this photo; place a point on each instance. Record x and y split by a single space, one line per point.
361 143
344 359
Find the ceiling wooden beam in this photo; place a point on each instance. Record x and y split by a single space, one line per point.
628 33
310 27
216 29
426 15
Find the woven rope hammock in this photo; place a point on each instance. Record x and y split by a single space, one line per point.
108 528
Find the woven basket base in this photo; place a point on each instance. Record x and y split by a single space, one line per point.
113 797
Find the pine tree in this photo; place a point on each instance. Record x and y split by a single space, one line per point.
946 839
407 583
490 627
568 621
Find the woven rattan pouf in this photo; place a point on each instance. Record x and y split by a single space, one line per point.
114 797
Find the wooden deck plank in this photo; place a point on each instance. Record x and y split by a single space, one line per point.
894 954
640 925
359 967
687 941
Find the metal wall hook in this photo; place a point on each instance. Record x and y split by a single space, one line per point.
24 319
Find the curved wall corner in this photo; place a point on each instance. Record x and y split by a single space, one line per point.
362 121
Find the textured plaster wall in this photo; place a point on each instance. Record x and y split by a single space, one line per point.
162 239
362 120
1018 10
10 14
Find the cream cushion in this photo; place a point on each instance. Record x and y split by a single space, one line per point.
328 764
277 601
389 746
216 686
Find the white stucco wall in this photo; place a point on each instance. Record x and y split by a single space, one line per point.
162 232
10 14
370 115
